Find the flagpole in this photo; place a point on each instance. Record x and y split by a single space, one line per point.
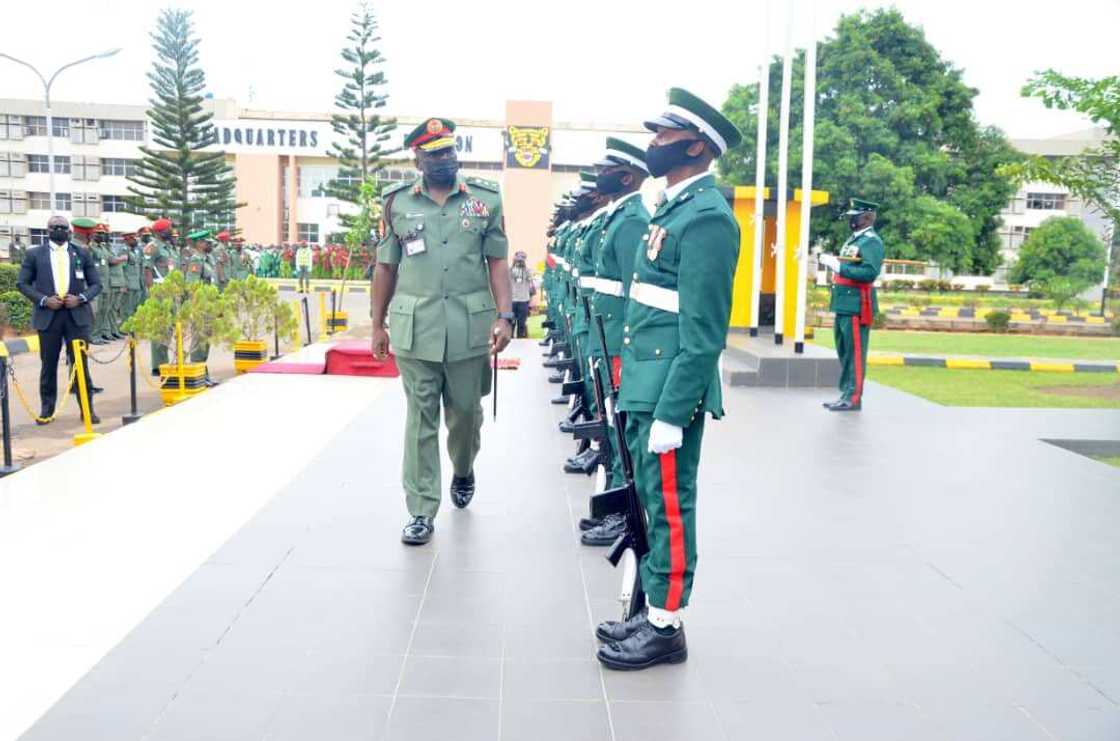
783 179
760 167
810 113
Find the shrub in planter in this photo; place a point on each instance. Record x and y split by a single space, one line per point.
956 286
17 310
928 285
998 321
982 288
944 285
8 275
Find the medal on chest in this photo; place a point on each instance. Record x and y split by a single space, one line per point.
473 207
850 251
656 239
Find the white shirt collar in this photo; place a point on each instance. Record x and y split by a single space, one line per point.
675 190
57 247
614 205
860 233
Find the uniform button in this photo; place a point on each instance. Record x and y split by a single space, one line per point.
657 351
445 268
626 341
445 241
635 276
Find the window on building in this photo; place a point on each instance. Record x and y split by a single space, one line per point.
309 233
61 165
12 165
13 202
85 168
11 127
62 202
87 204
38 237
132 131
113 204
1046 201
39 201
37 163
84 131
313 180
60 127
118 166
34 125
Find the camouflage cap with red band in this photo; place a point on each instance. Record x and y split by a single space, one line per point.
431 135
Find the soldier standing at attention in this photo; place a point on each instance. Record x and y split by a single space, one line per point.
620 175
443 279
132 269
99 246
222 262
677 316
200 269
159 259
117 285
854 301
303 268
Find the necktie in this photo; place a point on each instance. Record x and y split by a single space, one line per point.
60 260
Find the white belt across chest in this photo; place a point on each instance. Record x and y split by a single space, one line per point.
609 287
657 297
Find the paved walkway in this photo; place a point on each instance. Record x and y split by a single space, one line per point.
913 572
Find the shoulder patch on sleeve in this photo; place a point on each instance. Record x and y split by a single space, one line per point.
484 184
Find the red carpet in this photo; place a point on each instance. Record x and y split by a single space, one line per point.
354 358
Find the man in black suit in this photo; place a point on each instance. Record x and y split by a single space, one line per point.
60 280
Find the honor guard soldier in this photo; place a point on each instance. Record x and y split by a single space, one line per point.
160 257
240 264
676 325
620 176
854 301
116 285
133 267
102 313
443 281
222 254
200 269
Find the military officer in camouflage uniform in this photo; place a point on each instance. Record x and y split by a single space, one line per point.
221 254
620 175
160 258
104 314
116 287
854 302
677 316
133 267
442 280
240 264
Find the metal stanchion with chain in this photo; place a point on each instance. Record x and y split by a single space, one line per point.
134 413
307 321
22 398
5 420
83 394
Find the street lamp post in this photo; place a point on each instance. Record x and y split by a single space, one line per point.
47 101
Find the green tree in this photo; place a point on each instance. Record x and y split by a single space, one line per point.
894 123
181 176
360 152
1061 247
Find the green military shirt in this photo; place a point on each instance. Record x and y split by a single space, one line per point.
199 269
159 258
117 278
864 252
442 309
101 255
133 268
679 307
614 266
238 268
584 278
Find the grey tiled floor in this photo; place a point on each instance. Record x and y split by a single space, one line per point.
913 572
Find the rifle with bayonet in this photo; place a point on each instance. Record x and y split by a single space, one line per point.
596 428
622 499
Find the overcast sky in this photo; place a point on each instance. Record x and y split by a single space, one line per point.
607 61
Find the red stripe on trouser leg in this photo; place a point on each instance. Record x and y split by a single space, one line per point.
676 529
616 370
858 353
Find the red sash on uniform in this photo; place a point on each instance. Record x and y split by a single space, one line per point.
865 316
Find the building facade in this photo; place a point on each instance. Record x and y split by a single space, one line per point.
281 165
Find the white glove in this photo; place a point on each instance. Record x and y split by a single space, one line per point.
664 437
830 261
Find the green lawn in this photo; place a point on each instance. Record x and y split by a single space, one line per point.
988 388
995 345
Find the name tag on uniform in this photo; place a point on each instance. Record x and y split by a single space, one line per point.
414 246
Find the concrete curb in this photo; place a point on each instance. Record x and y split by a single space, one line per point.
1038 366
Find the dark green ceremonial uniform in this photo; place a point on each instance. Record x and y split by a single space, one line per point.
855 304
676 327
440 317
159 257
133 279
117 286
200 269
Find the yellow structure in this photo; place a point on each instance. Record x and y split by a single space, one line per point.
743 206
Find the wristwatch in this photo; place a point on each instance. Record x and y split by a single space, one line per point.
507 315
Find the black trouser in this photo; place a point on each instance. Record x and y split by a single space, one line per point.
62 331
521 319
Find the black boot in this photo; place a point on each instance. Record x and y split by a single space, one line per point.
643 648
556 378
582 463
462 490
605 534
586 523
418 531
845 406
830 404
619 630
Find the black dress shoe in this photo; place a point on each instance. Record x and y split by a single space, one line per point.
44 416
585 462
845 406
556 378
830 404
94 419
553 363
607 533
614 631
579 459
155 372
586 523
462 490
643 648
118 336
418 531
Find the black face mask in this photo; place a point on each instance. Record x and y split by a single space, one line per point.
661 160
145 239
610 183
853 223
59 234
584 204
440 172
100 238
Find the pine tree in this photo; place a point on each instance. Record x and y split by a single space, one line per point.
361 130
179 177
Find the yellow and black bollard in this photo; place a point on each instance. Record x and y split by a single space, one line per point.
83 394
9 466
